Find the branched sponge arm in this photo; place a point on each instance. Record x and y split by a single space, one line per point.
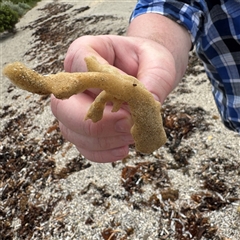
147 129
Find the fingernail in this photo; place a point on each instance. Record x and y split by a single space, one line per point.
156 97
123 126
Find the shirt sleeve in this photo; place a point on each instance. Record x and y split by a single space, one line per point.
188 13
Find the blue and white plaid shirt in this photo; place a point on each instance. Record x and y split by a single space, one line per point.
214 26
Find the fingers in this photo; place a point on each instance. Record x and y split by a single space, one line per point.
87 46
105 156
104 141
107 49
99 149
72 112
97 143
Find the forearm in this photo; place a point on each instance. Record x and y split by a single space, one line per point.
166 32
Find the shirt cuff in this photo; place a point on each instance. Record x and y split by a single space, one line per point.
188 16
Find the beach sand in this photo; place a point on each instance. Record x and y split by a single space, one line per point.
188 189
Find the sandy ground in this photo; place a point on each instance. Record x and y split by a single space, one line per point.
188 189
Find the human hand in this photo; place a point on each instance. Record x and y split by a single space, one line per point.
108 139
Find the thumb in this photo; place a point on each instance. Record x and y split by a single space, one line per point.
157 71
